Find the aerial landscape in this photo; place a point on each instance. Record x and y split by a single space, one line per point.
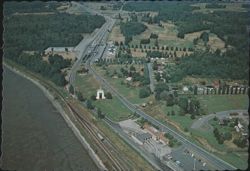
125 85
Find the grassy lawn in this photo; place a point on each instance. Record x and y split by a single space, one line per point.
238 161
216 103
113 108
182 121
87 85
131 93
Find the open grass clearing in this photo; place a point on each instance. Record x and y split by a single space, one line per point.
113 108
116 35
217 103
87 85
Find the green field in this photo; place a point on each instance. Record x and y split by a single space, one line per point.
113 108
217 103
182 121
131 93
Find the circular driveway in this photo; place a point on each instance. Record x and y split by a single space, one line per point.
202 123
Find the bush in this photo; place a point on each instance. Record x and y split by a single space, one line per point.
89 104
144 92
228 136
185 129
172 113
109 95
79 96
93 97
192 117
145 41
71 89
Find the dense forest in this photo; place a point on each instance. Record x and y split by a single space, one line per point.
38 32
131 28
50 70
28 7
229 65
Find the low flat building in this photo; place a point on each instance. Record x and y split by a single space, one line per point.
143 137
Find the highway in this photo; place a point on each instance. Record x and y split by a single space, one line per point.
216 162
213 160
84 48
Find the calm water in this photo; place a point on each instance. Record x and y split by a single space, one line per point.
35 136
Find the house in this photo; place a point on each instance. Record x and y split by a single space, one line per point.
128 78
185 88
237 128
223 121
240 126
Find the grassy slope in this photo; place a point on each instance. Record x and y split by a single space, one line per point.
111 107
131 93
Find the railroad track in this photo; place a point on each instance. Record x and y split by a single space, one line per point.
117 165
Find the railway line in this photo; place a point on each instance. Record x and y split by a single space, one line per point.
119 162
111 152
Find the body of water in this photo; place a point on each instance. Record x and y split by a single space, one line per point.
34 135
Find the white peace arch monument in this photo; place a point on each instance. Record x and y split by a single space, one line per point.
100 94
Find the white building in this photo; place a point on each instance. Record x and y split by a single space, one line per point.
185 89
100 94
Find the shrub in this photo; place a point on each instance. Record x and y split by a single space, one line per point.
144 92
109 95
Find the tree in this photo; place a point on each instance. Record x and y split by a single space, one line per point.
158 76
93 97
192 116
156 43
144 92
172 113
164 95
71 89
205 37
100 114
109 95
170 100
228 136
155 65
89 104
215 118
132 68
216 132
195 90
180 35
185 129
102 8
79 96
183 103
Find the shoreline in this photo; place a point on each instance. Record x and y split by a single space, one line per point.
68 121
